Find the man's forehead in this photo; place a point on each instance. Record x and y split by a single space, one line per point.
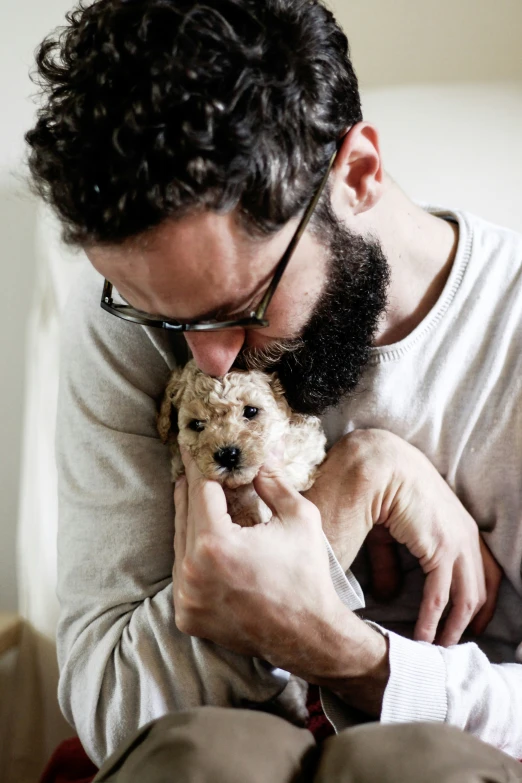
190 266
195 242
220 227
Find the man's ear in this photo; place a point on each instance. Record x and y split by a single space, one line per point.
358 172
167 422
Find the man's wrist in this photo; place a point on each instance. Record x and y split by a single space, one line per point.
359 669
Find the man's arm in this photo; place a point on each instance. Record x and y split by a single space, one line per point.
123 661
267 591
419 682
373 482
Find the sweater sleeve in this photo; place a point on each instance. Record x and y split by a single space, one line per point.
456 685
123 661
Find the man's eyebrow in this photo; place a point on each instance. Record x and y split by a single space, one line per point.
211 314
208 316
229 307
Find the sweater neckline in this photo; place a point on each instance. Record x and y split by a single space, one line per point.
393 352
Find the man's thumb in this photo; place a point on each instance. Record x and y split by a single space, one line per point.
274 489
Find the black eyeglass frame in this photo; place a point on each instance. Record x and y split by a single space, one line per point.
256 319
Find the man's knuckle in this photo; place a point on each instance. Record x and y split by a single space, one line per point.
273 472
309 510
185 623
205 546
427 630
190 571
187 610
468 606
438 602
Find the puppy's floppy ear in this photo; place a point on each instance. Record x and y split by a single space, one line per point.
276 386
167 422
279 395
280 398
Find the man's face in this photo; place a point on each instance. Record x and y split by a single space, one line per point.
330 296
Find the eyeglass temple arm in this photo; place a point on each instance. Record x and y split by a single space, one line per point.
107 291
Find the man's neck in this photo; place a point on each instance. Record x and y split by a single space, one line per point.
420 249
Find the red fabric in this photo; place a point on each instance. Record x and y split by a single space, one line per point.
317 721
69 764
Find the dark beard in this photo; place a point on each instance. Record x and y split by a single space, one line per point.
322 366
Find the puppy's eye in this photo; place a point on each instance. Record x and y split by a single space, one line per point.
249 412
196 425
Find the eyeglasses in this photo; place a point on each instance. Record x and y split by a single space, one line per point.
253 320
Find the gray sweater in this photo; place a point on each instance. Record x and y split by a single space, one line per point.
453 388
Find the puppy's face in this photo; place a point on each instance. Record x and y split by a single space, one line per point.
229 425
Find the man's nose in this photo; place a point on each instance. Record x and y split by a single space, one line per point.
215 352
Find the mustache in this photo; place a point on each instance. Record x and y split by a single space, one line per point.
265 357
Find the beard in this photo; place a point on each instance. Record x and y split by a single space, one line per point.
322 366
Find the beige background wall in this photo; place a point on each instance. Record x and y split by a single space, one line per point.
410 41
393 42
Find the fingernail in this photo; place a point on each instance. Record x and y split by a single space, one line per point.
180 481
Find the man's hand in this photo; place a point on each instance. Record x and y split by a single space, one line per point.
266 591
387 576
373 478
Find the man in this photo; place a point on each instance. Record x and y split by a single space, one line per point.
209 158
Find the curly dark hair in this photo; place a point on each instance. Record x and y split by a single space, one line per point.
156 108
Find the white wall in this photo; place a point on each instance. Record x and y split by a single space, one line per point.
22 25
393 42
411 41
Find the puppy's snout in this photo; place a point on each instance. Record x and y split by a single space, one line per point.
228 457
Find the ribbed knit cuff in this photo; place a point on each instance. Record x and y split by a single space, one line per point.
416 690
346 585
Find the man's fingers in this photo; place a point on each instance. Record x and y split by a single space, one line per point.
206 499
465 598
180 521
386 574
493 577
455 624
483 617
282 499
434 600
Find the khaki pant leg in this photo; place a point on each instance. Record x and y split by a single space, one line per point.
215 745
413 753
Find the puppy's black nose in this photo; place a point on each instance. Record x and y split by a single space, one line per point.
228 457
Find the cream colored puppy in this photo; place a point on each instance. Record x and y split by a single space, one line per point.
230 425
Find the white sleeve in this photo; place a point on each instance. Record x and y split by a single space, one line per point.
456 685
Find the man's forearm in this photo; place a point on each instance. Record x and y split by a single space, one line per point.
354 663
366 692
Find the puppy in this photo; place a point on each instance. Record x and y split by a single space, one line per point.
230 425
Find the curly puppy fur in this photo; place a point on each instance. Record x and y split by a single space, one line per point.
243 414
